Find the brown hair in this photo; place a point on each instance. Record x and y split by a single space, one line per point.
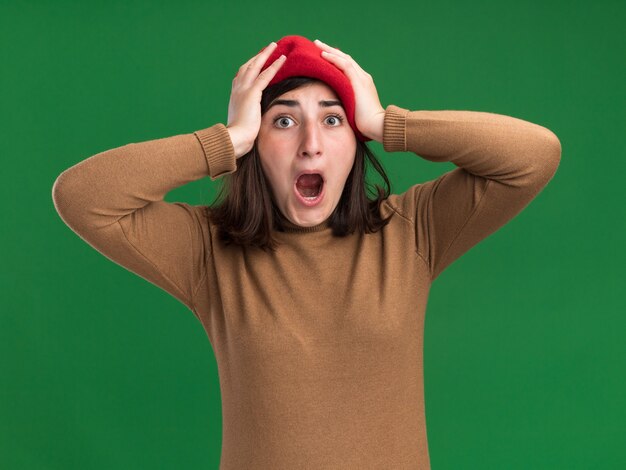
246 214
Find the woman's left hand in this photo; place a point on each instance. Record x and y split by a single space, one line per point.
368 112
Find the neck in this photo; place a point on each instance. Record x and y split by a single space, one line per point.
289 226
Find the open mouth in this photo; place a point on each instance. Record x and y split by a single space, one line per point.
310 188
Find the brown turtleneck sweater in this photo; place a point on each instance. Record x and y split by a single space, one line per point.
319 345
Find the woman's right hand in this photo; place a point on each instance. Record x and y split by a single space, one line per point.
244 107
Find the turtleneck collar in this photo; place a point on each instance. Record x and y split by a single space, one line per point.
293 228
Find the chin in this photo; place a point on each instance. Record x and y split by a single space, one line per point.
311 224
309 221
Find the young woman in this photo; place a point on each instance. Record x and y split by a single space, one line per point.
312 294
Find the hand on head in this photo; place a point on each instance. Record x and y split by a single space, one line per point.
244 107
368 113
358 92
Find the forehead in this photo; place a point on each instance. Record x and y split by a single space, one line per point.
297 102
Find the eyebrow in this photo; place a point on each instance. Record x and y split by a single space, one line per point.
296 103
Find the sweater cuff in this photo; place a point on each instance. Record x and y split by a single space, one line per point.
394 129
218 150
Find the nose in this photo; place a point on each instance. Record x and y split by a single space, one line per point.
311 140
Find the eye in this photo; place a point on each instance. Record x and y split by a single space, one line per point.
337 120
337 117
281 118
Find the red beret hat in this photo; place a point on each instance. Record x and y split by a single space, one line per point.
304 59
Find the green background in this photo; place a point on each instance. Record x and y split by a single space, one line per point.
525 358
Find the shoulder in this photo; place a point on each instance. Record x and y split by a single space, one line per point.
404 204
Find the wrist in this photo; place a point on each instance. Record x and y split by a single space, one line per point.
375 131
241 143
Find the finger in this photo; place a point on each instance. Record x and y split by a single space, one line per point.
326 47
266 76
244 66
251 60
345 65
333 50
265 52
254 67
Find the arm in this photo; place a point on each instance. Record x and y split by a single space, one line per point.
503 163
114 201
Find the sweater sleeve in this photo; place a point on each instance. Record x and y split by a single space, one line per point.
114 201
503 163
